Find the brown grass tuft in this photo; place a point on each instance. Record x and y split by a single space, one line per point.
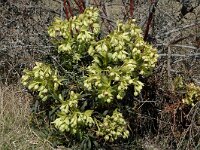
15 132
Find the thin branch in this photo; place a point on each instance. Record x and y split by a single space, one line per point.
169 53
83 4
131 7
65 9
150 18
104 9
178 29
179 55
86 3
95 2
109 20
81 9
69 8
178 45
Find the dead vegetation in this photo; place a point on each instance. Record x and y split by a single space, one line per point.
161 118
15 130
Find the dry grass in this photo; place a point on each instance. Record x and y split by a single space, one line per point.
15 132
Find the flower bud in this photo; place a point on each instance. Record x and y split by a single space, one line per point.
119 88
130 81
45 91
117 78
47 75
24 83
36 74
25 77
119 97
112 74
135 93
99 85
108 100
106 137
36 87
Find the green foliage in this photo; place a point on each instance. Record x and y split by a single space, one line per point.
107 68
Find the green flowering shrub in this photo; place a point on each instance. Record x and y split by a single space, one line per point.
105 69
192 94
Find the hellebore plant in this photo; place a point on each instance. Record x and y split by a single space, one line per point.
106 69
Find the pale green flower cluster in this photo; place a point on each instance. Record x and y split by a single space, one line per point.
41 79
192 94
77 32
113 127
119 59
70 119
